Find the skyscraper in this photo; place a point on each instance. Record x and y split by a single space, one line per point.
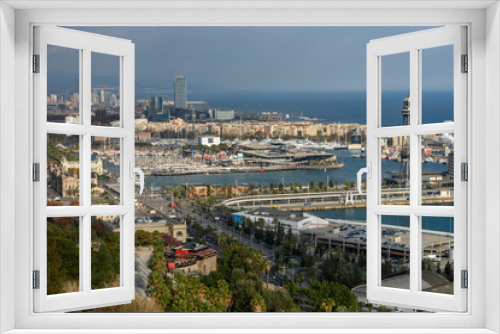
158 104
151 107
180 92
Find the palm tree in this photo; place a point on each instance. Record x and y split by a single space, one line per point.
222 240
191 192
327 305
224 190
258 304
266 266
299 279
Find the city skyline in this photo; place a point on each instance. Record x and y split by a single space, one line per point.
246 59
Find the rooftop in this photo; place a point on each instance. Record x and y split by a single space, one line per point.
274 213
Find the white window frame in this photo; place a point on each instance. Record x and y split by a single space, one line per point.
413 44
85 44
483 21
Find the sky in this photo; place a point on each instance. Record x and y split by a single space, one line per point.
234 59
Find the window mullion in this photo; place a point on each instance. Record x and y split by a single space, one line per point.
415 266
373 157
415 89
86 243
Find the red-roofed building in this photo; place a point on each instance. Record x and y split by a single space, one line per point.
189 258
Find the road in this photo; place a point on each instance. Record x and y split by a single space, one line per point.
142 271
263 248
161 206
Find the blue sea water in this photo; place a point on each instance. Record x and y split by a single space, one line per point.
442 224
333 107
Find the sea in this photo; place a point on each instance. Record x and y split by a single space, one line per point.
333 107
327 107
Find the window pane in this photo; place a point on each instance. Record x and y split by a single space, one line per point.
437 84
105 251
395 247
63 170
437 254
437 169
63 85
105 90
63 255
395 90
105 171
395 170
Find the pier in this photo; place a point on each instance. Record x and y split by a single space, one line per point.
247 169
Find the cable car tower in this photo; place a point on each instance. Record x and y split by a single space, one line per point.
404 168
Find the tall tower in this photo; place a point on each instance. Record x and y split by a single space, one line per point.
158 104
180 92
404 169
406 111
151 107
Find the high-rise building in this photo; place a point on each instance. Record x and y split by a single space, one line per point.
158 105
102 96
151 107
180 92
95 96
53 98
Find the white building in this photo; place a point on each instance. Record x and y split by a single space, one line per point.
67 164
296 221
208 140
224 114
72 119
95 166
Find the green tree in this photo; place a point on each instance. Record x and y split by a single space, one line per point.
448 271
258 304
327 305
143 238
386 268
340 294
299 278
340 267
279 301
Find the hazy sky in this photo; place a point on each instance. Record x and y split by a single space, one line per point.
264 58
